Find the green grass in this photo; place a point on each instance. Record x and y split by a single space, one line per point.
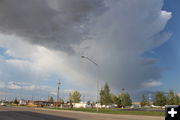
110 111
113 111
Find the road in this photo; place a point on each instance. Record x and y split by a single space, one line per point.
19 113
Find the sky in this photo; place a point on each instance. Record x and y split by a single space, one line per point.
134 43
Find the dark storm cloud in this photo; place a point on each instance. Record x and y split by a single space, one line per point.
56 24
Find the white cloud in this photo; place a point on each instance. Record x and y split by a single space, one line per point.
152 84
26 86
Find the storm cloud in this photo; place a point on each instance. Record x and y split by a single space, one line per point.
114 33
56 24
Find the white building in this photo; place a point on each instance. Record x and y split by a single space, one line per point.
81 105
22 102
98 105
105 106
136 105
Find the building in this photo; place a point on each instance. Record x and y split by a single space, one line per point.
39 103
82 105
136 105
106 106
22 102
98 105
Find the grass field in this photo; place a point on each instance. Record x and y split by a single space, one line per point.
114 111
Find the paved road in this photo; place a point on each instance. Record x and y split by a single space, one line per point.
15 113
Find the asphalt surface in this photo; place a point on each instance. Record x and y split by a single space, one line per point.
19 113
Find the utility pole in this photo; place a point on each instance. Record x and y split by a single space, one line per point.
59 83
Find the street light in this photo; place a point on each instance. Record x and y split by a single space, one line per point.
59 83
89 60
97 79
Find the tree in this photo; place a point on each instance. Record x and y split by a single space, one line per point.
176 100
16 101
160 99
125 99
116 100
144 102
89 102
51 99
61 101
172 99
105 95
75 97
